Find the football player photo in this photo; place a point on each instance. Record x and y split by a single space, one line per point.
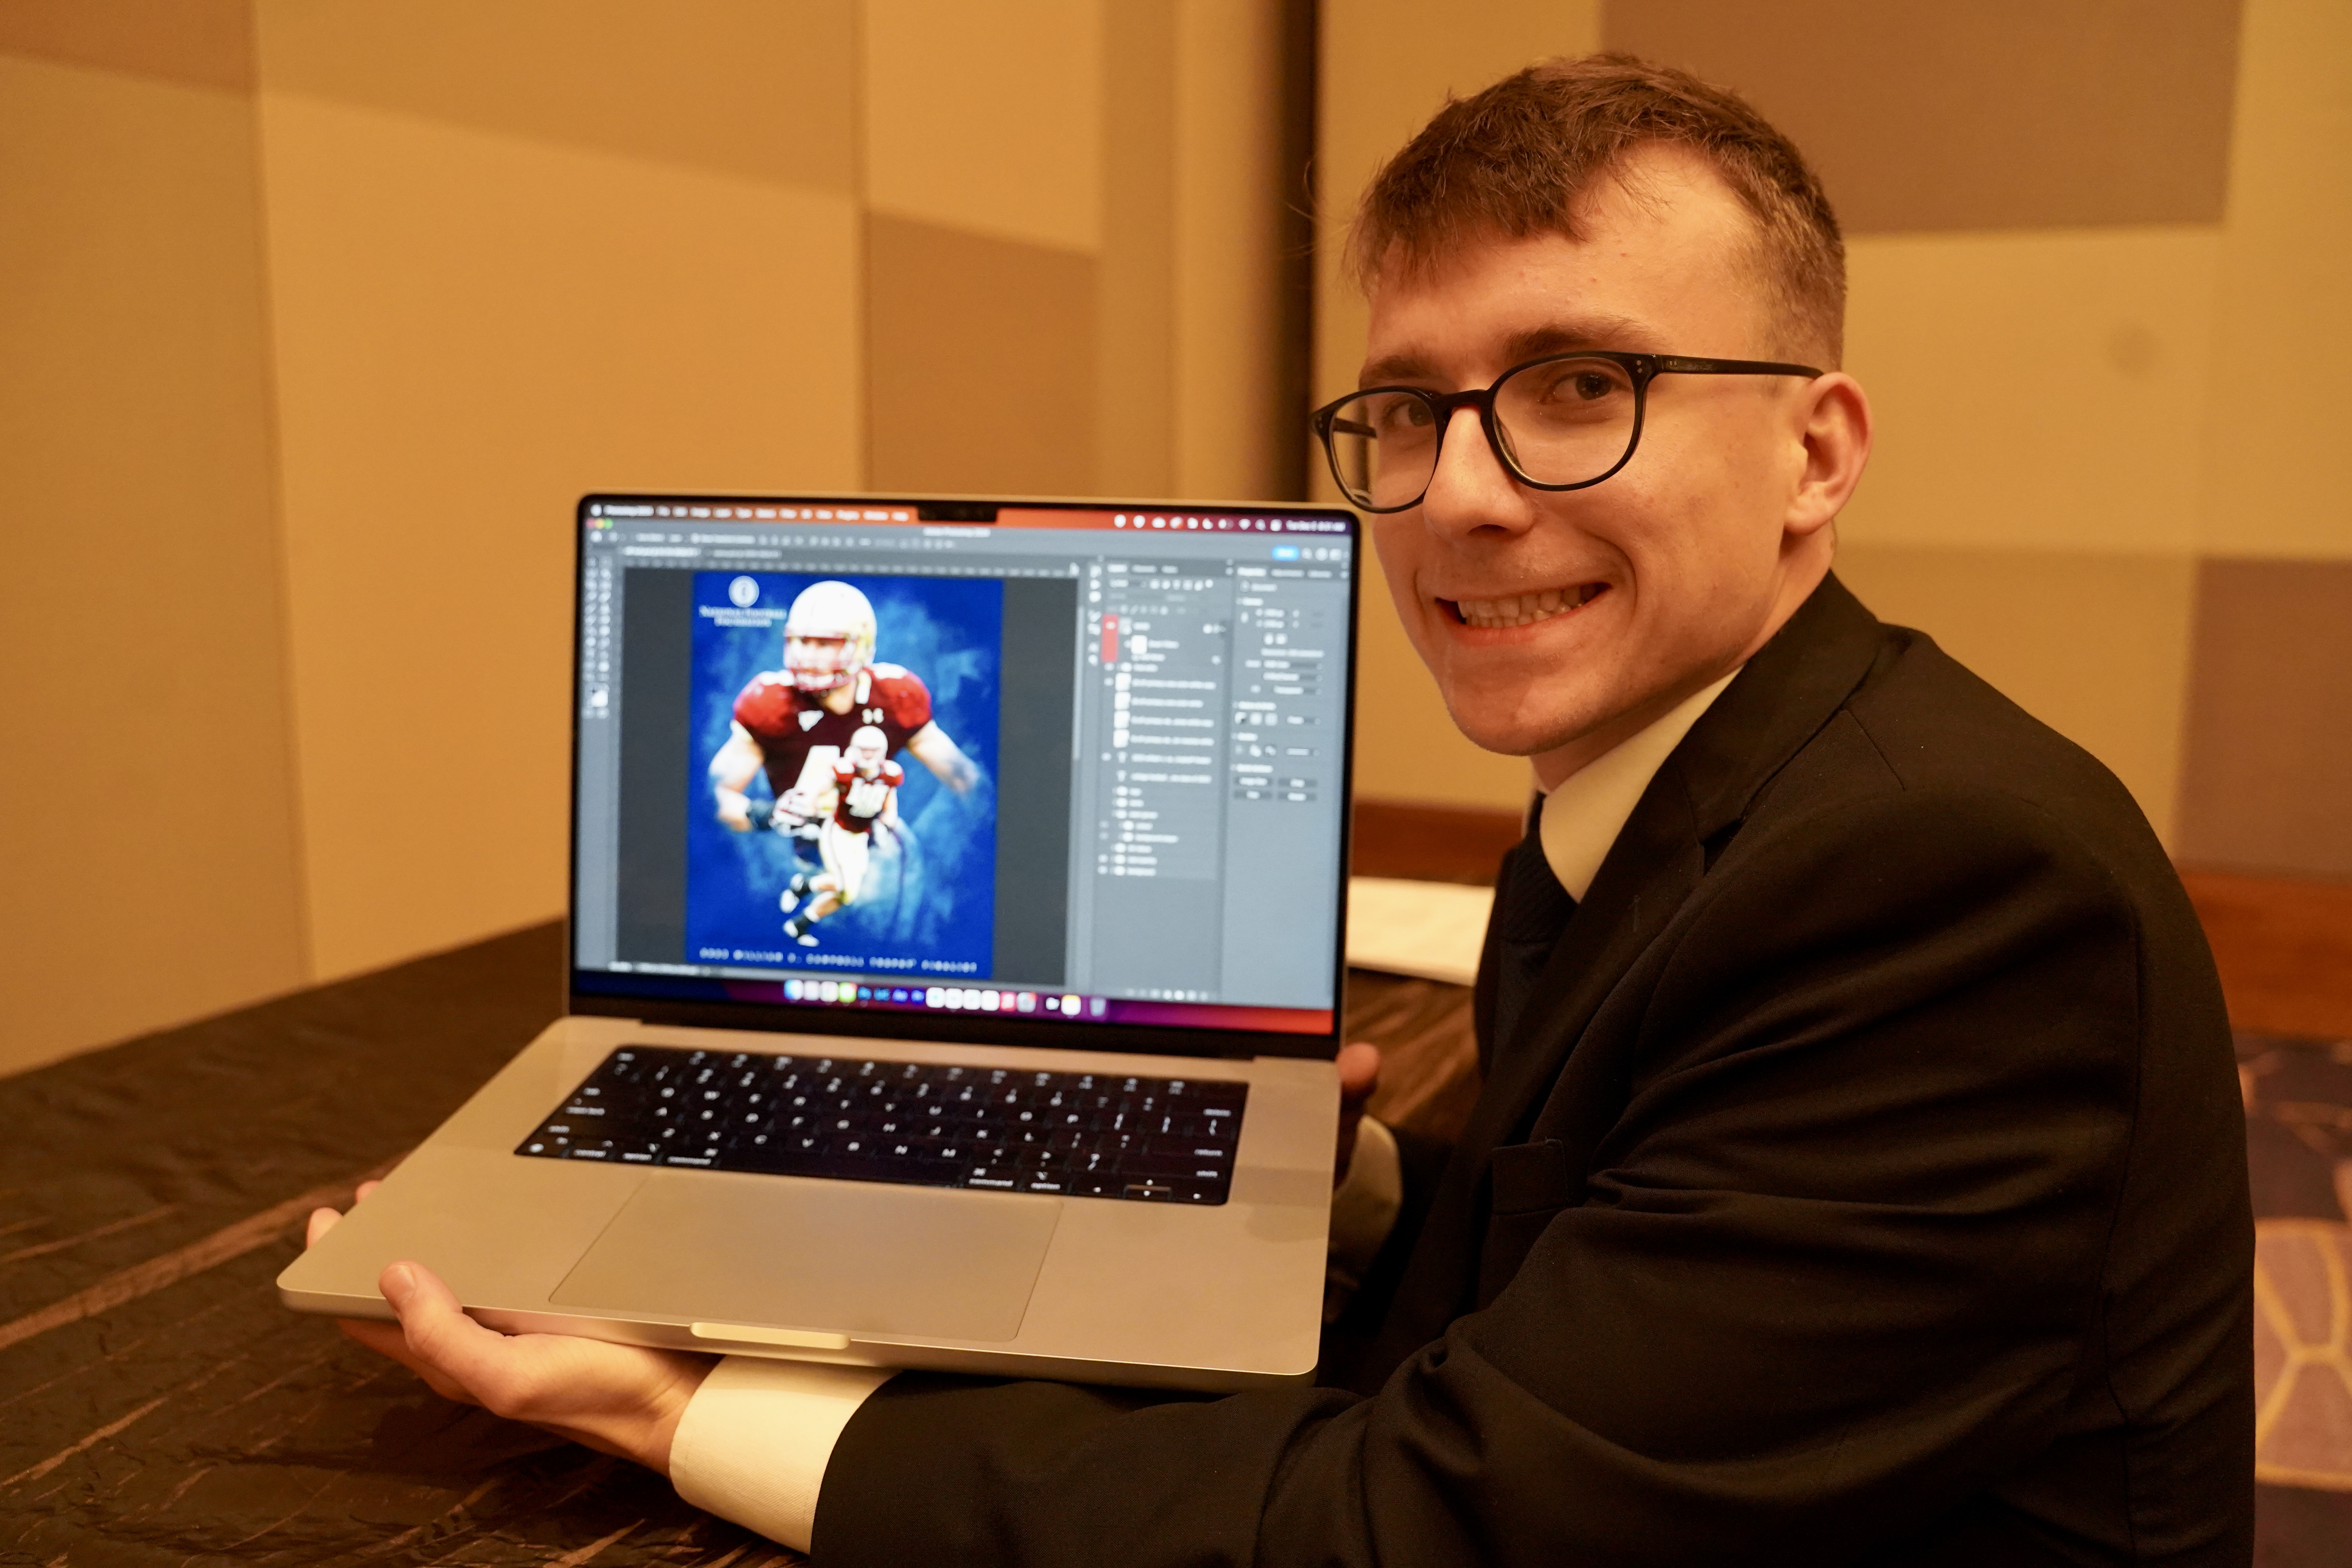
843 734
866 803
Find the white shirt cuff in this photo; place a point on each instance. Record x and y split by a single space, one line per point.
755 1438
1364 1206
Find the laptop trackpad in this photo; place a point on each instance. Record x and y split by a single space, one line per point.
852 1256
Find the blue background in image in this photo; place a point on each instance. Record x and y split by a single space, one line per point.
935 901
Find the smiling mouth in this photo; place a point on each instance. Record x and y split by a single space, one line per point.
1522 609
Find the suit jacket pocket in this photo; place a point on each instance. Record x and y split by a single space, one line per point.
1529 1184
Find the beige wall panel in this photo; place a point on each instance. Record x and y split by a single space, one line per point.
2034 390
1135 344
987 120
983 363
2280 475
763 89
472 329
2093 644
1229 191
1388 65
197 42
147 842
2269 766
1995 114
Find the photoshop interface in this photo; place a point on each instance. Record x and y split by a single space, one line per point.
1153 712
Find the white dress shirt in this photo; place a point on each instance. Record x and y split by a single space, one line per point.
1583 817
754 1441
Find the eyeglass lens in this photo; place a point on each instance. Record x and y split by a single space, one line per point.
1561 422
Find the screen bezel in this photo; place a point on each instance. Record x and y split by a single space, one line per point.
601 993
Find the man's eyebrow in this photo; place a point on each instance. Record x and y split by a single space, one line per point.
1406 367
1564 336
1581 332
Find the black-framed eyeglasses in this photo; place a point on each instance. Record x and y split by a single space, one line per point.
1560 422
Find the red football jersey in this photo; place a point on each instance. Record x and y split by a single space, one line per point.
790 723
858 800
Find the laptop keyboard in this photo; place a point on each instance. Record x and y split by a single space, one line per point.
1080 1134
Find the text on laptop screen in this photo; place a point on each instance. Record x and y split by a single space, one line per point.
1072 764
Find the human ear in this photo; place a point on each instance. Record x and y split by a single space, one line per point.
1836 434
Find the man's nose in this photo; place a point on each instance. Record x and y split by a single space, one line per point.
1471 490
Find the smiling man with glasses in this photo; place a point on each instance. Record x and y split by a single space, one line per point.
1858 1175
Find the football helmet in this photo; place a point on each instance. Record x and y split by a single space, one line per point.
867 749
828 637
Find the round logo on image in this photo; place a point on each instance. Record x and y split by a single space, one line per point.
745 592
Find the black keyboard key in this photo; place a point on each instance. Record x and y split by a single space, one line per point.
1078 1134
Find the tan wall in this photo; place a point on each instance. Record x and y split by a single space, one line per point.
2278 463
2041 521
1229 189
480 312
983 176
2270 744
1074 241
147 839
2268 764
2094 645
328 311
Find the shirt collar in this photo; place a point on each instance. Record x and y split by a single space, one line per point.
1583 817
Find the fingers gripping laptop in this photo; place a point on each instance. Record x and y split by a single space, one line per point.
958 894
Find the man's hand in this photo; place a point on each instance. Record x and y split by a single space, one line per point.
1359 1075
616 1399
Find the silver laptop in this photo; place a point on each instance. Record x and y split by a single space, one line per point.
956 949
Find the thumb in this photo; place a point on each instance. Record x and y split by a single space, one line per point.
430 1313
414 1291
435 1339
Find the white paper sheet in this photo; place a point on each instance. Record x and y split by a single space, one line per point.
1431 930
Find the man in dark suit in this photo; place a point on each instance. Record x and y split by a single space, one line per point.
1859 1174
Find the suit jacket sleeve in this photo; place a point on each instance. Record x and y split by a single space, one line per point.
1828 1272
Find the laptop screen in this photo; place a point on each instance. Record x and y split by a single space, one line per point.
1053 773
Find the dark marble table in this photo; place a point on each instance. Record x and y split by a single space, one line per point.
157 1406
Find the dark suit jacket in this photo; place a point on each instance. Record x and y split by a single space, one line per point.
1865 1182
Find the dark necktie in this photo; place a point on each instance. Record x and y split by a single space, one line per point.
1531 911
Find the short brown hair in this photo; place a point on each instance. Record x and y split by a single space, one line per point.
1516 159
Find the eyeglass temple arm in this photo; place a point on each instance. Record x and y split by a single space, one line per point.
1666 362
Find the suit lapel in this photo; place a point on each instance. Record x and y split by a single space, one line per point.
1650 870
1621 914
1787 692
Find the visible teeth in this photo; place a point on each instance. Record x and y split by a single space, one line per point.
1526 609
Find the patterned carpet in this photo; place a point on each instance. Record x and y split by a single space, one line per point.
2298 1096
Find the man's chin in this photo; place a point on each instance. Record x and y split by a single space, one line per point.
1521 734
